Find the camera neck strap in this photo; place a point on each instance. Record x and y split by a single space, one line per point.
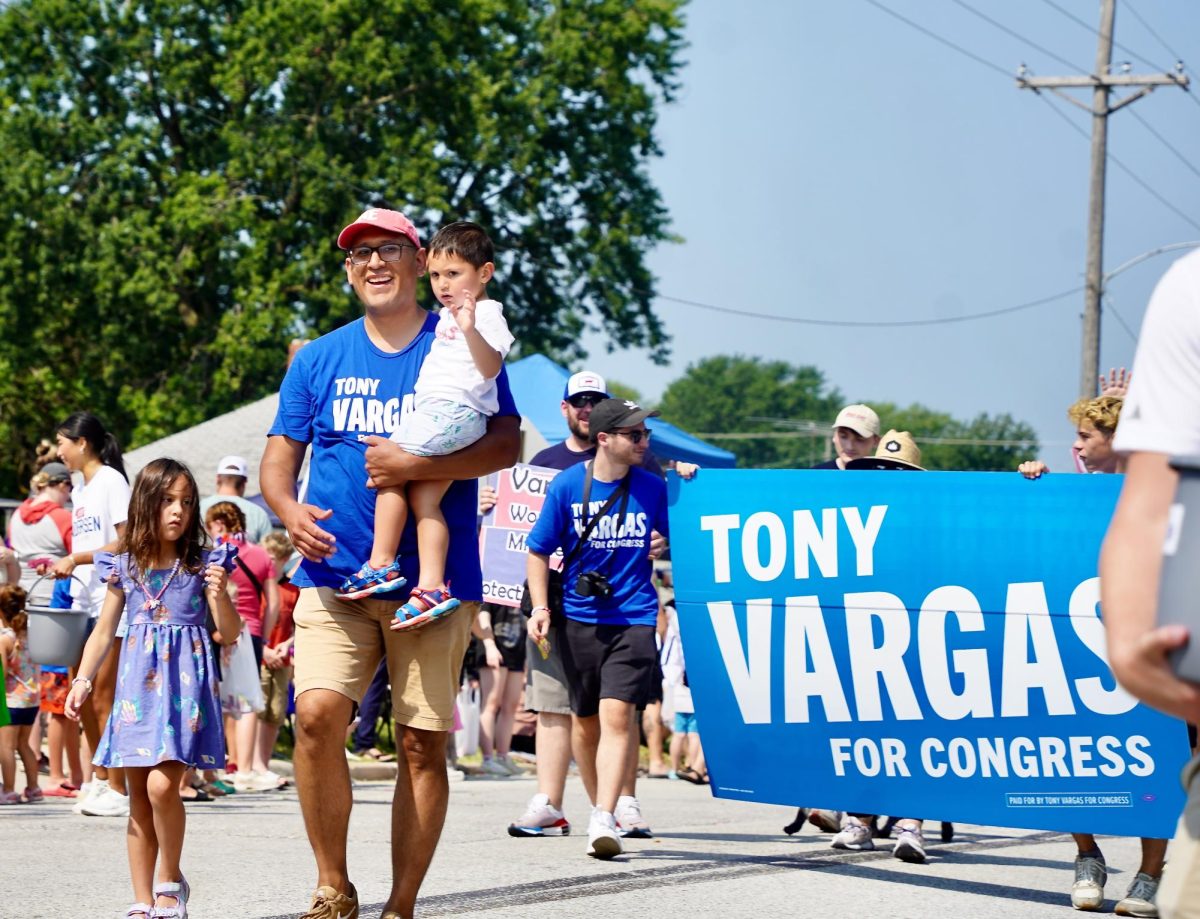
589 522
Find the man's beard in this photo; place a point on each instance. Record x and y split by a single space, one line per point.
577 427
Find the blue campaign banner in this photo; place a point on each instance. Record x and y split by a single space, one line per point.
914 645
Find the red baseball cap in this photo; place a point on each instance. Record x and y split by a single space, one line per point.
376 218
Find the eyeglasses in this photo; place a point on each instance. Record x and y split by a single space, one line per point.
636 436
389 252
586 398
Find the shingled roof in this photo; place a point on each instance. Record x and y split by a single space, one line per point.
242 431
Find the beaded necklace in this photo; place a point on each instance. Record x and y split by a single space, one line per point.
154 601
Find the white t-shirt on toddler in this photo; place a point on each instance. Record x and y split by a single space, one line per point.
449 371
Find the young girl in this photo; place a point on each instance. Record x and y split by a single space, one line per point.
166 715
21 690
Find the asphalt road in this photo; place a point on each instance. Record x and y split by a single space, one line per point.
247 856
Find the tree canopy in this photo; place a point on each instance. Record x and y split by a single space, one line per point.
789 410
175 174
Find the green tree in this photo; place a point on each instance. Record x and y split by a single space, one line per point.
735 394
174 174
986 443
790 409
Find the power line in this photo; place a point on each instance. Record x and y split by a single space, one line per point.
1112 308
940 39
1120 165
1166 143
1091 28
1017 35
893 324
1138 16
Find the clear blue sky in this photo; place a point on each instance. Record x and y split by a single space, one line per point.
827 161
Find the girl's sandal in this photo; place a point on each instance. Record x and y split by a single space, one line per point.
178 890
423 607
33 795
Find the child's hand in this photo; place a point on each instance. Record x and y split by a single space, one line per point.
75 699
215 580
464 313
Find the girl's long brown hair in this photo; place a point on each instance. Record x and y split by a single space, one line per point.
12 607
141 539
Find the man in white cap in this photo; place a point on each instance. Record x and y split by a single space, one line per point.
855 435
232 473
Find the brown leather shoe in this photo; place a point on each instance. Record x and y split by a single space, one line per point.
329 904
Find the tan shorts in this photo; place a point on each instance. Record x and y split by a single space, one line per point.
275 694
1179 895
339 644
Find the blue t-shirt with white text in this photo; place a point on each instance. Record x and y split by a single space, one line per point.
340 389
619 550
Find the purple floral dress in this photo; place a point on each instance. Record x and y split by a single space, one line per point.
166 705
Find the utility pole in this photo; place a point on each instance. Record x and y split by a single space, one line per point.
1102 81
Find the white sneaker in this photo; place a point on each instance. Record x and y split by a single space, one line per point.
507 762
541 818
86 790
603 841
630 822
266 780
107 803
493 766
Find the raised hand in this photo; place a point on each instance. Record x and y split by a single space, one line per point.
1116 384
464 313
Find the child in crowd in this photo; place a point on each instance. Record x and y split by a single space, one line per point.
685 738
455 394
276 670
165 715
21 696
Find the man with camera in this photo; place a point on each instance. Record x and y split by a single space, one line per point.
602 514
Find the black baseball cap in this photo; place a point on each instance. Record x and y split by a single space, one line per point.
614 414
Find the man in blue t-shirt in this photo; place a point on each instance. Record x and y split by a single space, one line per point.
545 682
343 394
610 605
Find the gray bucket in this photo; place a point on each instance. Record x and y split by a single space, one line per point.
56 636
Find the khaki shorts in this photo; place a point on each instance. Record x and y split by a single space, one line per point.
545 682
275 694
1179 895
339 644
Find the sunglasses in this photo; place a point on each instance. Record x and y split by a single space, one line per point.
586 398
636 436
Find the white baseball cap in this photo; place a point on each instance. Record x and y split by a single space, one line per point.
233 465
861 419
585 381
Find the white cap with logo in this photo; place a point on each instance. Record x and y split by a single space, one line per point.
861 419
233 465
583 382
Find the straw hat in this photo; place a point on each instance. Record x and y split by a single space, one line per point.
896 450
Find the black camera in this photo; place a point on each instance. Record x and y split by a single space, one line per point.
593 584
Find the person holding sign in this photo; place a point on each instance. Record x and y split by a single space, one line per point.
1162 420
602 515
1095 421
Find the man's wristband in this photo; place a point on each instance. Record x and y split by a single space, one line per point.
84 680
536 608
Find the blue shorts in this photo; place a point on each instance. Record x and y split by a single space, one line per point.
685 723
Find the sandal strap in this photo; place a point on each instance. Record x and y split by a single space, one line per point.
144 908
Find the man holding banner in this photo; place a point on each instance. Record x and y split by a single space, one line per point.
602 515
